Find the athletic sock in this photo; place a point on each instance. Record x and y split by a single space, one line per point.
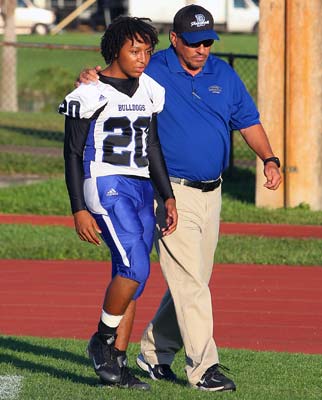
105 330
109 323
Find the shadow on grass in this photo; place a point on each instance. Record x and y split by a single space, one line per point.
20 345
239 184
49 351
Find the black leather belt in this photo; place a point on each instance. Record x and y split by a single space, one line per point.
204 186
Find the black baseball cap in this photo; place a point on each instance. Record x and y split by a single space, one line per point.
194 24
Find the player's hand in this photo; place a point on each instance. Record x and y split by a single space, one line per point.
86 227
88 75
171 217
273 176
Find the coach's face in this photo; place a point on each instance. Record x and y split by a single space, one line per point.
192 56
133 58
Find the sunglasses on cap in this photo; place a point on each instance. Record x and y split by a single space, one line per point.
205 43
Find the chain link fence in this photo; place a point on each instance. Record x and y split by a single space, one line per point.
45 73
246 67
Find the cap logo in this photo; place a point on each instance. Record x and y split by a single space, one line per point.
200 21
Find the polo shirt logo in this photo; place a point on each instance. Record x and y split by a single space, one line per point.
215 89
200 21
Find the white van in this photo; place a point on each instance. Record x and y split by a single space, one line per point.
229 15
31 19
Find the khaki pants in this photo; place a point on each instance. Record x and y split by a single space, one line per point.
185 313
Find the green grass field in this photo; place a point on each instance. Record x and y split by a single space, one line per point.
50 198
58 369
229 42
62 243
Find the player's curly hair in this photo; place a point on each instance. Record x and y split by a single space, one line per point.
123 28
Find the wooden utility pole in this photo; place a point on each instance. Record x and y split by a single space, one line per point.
303 167
271 88
8 84
290 99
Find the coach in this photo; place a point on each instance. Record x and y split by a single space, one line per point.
205 100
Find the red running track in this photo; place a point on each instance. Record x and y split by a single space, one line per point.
227 228
257 307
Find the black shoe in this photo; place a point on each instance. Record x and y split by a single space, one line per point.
214 380
103 355
128 380
158 371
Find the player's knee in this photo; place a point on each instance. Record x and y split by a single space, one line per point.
142 274
140 261
139 291
138 275
137 267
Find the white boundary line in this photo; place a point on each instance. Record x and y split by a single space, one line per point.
10 386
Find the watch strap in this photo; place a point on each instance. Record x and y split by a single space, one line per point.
273 159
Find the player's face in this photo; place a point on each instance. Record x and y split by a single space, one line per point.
133 58
191 58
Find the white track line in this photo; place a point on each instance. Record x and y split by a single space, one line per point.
10 386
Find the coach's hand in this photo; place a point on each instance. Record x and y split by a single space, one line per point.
171 217
88 75
86 227
273 176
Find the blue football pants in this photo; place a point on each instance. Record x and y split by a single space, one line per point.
123 209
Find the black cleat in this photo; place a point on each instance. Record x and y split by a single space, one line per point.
213 380
158 371
128 380
103 355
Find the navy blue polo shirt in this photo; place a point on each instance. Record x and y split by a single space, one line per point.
199 113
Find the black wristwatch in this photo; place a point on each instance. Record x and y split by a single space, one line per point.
276 160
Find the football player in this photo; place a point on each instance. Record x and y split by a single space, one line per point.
112 155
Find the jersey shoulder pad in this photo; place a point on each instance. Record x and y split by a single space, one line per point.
83 101
155 91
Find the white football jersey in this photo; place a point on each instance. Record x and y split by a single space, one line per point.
117 135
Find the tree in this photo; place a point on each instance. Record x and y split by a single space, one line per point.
8 65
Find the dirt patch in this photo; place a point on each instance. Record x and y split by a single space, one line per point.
20 179
45 151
